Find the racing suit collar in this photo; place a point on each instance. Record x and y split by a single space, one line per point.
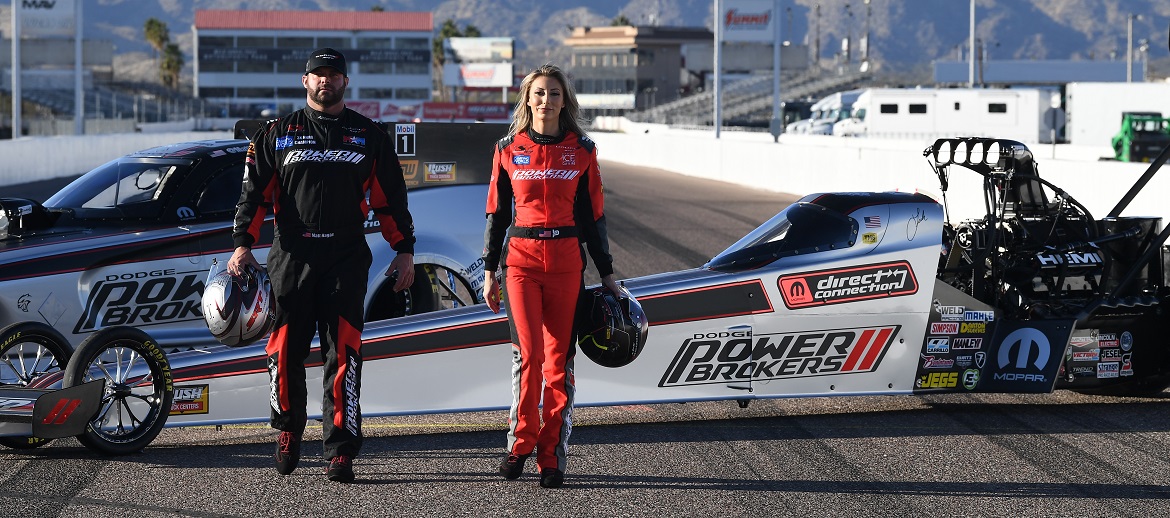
320 116
541 138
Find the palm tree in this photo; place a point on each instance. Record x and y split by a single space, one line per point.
171 66
157 34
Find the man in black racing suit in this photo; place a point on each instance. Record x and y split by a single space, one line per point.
313 168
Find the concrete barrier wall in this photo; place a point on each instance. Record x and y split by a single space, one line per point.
805 164
31 159
798 164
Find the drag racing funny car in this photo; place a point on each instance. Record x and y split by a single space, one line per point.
130 242
839 294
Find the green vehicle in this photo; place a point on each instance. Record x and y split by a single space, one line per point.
1143 135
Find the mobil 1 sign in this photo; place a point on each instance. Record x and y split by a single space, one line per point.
404 139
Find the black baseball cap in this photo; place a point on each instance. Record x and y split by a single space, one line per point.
326 57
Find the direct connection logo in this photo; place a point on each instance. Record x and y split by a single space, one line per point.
721 357
873 281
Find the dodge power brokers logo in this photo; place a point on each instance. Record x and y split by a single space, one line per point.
722 357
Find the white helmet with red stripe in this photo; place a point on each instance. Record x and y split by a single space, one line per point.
238 310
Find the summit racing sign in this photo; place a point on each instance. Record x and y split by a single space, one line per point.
728 356
873 281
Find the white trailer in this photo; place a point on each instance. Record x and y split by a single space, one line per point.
1094 109
931 113
825 112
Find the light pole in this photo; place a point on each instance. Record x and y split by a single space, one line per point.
1144 47
1129 48
848 46
817 43
865 39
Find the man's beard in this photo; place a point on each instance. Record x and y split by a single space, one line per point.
327 98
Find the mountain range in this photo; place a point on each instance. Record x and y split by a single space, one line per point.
905 35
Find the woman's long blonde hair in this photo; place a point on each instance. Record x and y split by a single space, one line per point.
570 118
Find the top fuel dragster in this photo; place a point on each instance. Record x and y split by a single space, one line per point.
838 294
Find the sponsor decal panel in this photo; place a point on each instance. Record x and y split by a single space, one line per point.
1091 355
190 399
950 313
934 362
440 171
978 316
143 298
970 379
938 345
1110 354
973 328
938 380
966 343
1023 358
944 328
1108 369
726 356
852 284
410 172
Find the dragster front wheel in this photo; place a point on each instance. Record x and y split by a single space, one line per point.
139 388
29 350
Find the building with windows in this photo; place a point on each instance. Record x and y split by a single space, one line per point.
631 67
257 58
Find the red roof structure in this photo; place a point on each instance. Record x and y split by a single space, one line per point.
315 20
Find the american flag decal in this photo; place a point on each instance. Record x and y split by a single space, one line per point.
873 222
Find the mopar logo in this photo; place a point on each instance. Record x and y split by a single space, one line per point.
741 356
142 299
1021 348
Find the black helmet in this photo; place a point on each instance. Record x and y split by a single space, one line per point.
611 327
238 310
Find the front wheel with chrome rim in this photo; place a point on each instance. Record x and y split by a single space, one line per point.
139 388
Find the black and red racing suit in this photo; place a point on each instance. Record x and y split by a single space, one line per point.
555 184
313 170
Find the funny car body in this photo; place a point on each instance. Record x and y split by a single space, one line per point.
838 294
130 243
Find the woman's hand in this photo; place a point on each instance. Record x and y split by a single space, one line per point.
491 291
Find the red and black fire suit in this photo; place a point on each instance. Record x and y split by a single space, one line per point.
556 186
313 170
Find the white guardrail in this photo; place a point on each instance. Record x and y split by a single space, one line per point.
804 164
798 164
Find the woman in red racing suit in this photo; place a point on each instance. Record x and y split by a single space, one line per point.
548 169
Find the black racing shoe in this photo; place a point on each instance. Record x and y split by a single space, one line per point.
288 452
551 477
340 469
513 466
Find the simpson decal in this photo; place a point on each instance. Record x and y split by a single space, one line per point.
867 282
741 356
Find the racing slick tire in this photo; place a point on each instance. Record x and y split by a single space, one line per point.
139 388
29 350
421 297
